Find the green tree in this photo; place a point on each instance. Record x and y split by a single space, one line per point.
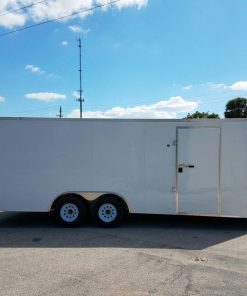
201 115
236 108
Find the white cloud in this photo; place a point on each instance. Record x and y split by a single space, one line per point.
75 29
206 84
240 85
34 69
218 85
188 87
65 43
2 99
214 85
76 94
12 20
54 9
124 3
78 29
45 96
128 3
162 109
38 70
52 76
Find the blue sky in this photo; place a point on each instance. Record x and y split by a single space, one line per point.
141 59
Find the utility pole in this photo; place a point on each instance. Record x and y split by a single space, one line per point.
60 114
80 99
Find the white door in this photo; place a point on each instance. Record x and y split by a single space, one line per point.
198 152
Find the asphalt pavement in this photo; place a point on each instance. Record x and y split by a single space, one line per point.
147 255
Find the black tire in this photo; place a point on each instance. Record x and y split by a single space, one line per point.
107 211
71 211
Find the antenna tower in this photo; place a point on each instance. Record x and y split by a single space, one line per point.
60 114
80 99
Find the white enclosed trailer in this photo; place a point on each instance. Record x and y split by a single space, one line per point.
110 167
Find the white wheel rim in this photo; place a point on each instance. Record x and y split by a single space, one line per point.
107 212
69 212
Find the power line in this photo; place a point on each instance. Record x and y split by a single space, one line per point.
59 18
22 8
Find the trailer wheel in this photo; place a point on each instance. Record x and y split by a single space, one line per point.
71 211
107 211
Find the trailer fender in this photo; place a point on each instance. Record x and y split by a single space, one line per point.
89 198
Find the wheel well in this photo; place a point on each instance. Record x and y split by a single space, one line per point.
120 199
60 197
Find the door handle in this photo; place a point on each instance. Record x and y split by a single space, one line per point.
191 166
183 165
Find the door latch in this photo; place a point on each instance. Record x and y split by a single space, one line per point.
190 166
183 165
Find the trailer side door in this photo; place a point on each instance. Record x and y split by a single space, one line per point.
198 170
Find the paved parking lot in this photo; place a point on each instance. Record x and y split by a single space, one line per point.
147 255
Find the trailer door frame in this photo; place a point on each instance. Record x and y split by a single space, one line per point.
198 171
